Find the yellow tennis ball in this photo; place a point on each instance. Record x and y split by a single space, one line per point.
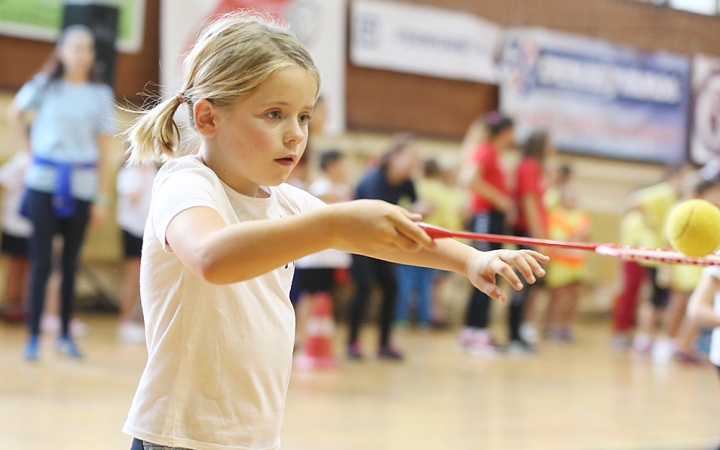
693 228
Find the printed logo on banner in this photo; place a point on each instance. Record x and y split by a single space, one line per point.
423 40
366 29
596 98
706 116
305 18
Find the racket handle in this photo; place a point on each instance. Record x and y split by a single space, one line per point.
436 232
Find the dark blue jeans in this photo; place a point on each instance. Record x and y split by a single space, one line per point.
137 444
38 206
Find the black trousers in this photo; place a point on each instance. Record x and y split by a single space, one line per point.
38 206
478 310
367 272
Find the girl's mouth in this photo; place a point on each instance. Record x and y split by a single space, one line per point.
287 161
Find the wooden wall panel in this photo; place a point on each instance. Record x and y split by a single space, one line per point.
20 59
383 100
390 101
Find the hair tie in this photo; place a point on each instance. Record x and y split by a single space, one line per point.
180 96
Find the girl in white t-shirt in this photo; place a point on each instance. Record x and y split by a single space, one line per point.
223 232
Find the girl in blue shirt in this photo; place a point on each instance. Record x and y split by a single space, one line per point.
66 183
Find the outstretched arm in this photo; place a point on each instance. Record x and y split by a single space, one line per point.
222 254
481 268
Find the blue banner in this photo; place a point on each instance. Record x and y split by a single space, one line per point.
596 98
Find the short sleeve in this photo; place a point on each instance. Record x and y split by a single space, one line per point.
298 201
321 186
129 181
528 179
483 157
107 121
175 191
712 271
28 97
13 171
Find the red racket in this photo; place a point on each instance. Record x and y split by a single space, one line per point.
616 251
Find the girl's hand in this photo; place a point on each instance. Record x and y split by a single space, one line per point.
374 226
482 267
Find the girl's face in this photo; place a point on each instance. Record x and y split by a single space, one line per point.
403 164
258 141
77 54
506 138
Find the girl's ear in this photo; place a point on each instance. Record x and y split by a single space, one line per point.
206 119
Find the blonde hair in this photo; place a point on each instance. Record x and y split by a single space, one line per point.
233 55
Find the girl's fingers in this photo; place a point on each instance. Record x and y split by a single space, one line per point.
491 289
411 231
404 243
523 265
507 272
536 267
538 256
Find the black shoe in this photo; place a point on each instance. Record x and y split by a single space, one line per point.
390 352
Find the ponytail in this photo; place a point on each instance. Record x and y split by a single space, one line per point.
155 137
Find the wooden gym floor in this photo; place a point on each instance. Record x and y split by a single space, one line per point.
581 396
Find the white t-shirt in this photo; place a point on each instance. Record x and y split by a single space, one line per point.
219 356
134 189
714 271
329 258
12 174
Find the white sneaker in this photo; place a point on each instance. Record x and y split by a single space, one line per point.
131 333
529 333
662 350
51 325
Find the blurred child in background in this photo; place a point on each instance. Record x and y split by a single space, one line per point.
566 269
492 208
420 281
531 222
316 273
134 191
16 230
655 203
632 232
391 182
704 309
678 335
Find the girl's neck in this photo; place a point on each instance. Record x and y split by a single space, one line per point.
75 78
241 187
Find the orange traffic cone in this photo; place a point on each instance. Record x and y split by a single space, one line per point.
319 336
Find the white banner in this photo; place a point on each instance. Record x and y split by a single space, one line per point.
423 40
705 143
319 24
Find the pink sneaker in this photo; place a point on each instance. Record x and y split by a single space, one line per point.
479 343
642 345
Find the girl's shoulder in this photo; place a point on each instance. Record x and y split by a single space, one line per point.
187 163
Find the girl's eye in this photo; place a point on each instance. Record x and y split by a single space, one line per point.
274 114
305 118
